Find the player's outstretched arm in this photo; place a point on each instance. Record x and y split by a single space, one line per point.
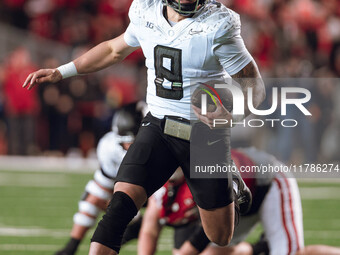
101 56
149 233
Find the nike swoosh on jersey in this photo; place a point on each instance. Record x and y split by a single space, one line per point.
213 142
145 124
195 32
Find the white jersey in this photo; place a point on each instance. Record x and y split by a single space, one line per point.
110 154
207 46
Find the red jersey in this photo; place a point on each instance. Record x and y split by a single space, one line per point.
176 202
241 159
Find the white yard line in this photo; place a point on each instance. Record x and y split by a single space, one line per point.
81 166
48 164
322 234
320 193
33 180
29 247
319 180
30 232
164 245
53 248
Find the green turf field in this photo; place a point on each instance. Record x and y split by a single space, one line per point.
37 209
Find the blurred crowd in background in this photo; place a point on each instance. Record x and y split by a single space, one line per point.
287 38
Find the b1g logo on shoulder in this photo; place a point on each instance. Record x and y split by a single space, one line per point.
149 25
230 95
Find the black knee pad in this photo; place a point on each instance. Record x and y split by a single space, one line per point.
132 230
119 213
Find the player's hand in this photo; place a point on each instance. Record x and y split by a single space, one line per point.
41 76
220 113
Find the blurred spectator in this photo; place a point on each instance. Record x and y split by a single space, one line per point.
3 128
12 11
301 137
21 108
3 139
322 107
299 140
335 59
279 29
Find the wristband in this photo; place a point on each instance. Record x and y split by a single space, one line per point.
68 70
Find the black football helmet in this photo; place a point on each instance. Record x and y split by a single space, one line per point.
185 9
127 119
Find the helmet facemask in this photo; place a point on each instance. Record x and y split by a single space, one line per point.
126 121
187 9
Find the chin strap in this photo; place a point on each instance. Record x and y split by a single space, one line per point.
186 9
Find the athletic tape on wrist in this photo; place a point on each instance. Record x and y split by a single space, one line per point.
68 70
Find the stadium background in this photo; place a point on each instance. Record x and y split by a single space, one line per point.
48 135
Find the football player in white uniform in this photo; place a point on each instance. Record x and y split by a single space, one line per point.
111 150
184 42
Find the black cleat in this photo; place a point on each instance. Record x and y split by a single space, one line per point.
243 195
70 248
261 247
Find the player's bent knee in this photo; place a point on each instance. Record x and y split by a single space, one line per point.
218 224
199 239
220 238
135 192
119 213
220 235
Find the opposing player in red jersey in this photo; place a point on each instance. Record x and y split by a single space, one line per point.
276 205
172 205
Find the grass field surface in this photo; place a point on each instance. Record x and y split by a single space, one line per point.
37 209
